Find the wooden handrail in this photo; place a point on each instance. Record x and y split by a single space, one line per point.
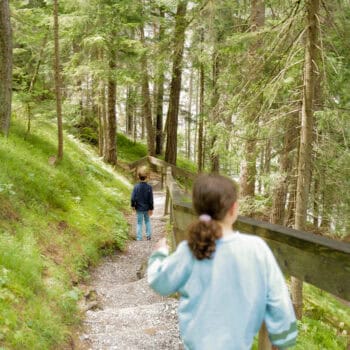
176 171
318 260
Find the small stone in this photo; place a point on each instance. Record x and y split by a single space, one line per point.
84 337
150 331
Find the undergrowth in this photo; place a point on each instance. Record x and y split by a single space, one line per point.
55 222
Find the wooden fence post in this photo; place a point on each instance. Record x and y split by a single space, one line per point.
162 178
264 341
166 207
136 172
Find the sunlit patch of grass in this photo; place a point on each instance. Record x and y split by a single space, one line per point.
55 222
129 151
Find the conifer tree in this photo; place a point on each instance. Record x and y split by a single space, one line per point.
5 67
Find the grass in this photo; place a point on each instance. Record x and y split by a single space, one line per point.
55 222
128 151
326 321
325 324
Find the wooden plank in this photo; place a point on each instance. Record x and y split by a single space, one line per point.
179 235
176 171
149 160
306 240
158 162
318 260
182 220
137 163
324 272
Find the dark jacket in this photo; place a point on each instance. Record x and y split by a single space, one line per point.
142 197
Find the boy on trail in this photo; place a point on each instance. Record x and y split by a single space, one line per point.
229 282
142 202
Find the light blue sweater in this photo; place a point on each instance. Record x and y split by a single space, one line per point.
224 300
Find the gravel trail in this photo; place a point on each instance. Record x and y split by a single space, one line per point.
128 314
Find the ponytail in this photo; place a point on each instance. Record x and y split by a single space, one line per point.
212 196
202 236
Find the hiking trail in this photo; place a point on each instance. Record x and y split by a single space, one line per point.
127 314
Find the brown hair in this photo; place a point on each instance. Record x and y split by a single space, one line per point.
142 173
212 195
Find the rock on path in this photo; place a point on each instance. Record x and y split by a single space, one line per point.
130 316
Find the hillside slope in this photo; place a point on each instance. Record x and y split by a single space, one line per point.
55 221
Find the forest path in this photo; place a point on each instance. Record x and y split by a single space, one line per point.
129 314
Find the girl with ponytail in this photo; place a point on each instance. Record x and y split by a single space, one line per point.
229 282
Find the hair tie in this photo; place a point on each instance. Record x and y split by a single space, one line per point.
205 218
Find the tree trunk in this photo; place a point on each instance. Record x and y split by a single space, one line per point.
316 211
130 108
292 190
33 81
104 119
58 83
285 167
214 156
195 148
306 136
248 169
146 101
101 121
142 121
100 130
200 152
135 123
160 93
111 154
189 118
159 116
318 106
5 67
175 87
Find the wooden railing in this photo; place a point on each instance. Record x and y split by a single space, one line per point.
318 260
161 167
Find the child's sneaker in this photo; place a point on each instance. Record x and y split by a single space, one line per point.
148 238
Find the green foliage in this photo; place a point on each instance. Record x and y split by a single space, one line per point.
325 324
55 222
186 164
316 335
129 151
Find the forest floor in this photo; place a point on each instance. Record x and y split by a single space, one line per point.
126 313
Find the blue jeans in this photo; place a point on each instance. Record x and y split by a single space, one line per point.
140 216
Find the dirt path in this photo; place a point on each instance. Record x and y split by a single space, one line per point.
129 314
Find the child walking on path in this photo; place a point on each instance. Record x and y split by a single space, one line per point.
229 282
142 202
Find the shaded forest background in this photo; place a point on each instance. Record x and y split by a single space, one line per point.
257 90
